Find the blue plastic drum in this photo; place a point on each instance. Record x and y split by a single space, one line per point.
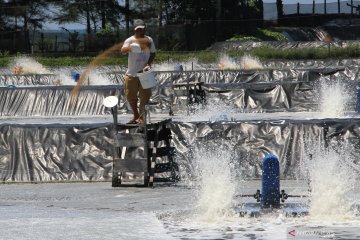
270 195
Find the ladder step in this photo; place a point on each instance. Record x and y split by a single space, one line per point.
169 179
166 167
130 165
130 140
162 151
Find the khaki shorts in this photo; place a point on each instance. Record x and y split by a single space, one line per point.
133 88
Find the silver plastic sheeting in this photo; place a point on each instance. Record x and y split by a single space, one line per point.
54 100
246 45
249 142
248 90
268 74
84 152
312 64
55 154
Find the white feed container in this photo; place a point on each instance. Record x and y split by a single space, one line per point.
147 79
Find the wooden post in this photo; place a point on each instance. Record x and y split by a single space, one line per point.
325 7
298 13
313 13
313 8
298 9
56 44
338 7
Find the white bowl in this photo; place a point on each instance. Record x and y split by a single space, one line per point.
110 101
135 48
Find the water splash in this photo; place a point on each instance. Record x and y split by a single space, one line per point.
65 79
249 62
96 78
226 62
29 66
215 174
246 62
334 98
332 180
189 65
212 111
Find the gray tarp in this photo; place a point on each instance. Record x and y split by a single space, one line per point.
247 45
54 100
248 90
54 154
83 152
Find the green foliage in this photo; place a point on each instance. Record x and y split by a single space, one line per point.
262 53
108 30
243 38
79 61
5 61
4 53
273 34
64 61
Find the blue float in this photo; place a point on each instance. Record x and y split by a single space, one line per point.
358 100
270 196
75 76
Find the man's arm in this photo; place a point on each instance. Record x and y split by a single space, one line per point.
125 50
151 58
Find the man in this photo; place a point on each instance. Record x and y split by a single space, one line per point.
138 61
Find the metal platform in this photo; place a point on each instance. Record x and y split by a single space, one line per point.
292 209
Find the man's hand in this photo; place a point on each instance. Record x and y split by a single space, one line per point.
146 68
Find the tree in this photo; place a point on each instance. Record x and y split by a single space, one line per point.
73 11
174 11
24 14
109 11
95 13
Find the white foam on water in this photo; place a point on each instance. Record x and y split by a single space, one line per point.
214 171
95 78
98 79
188 65
249 62
246 62
212 111
226 62
30 66
64 78
165 66
332 182
334 98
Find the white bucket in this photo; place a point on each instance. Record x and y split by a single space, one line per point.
147 79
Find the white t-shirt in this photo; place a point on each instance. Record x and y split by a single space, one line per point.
137 61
